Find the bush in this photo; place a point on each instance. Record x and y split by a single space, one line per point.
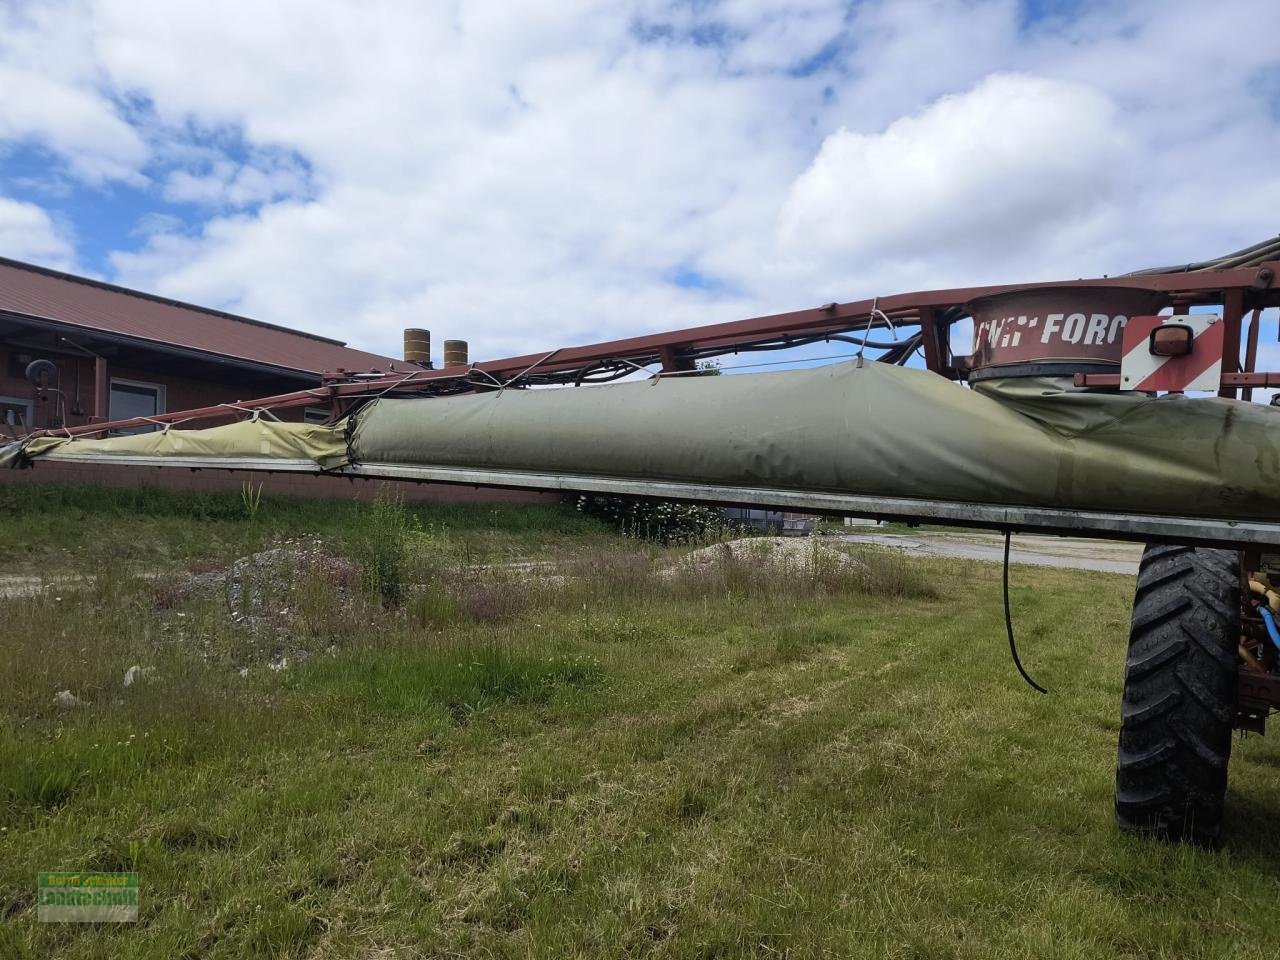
660 520
382 549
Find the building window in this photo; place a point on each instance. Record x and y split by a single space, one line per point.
15 413
315 415
132 398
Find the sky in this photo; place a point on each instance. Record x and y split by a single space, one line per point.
524 175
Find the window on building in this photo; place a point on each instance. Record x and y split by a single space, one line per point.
15 412
315 415
131 398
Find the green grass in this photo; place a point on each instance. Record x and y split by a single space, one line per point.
594 760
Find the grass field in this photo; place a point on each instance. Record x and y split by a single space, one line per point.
582 757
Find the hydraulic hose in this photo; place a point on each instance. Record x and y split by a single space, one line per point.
1008 621
1270 621
1268 249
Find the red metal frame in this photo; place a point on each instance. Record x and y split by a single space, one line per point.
1237 290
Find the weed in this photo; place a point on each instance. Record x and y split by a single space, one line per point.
433 607
382 550
252 500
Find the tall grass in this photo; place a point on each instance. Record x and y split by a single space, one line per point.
251 497
415 582
818 570
382 547
85 528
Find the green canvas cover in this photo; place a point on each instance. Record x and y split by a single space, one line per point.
862 429
870 429
247 439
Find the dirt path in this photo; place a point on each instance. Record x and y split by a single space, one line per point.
1107 556
15 585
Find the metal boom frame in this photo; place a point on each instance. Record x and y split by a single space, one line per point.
931 313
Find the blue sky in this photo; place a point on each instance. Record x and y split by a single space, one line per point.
529 175
101 217
113 216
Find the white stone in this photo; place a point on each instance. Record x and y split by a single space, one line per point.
136 673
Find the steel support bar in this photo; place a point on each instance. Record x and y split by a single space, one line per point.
1257 692
1116 526
101 389
1232 315
1229 380
1202 287
674 359
1251 350
932 338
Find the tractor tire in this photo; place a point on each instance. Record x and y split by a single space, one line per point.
1179 695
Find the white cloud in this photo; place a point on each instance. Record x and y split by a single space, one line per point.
906 55
227 184
28 233
50 95
1018 160
756 35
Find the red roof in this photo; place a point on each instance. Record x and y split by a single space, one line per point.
45 294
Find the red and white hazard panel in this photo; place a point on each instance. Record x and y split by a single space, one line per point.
1144 367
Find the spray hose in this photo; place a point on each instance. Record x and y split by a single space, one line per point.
1260 585
1008 621
1269 619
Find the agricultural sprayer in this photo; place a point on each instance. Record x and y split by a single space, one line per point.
1081 409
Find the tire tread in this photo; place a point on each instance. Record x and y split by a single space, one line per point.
1179 694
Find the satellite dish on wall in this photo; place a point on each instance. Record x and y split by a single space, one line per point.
42 373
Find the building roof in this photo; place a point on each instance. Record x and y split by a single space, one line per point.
48 295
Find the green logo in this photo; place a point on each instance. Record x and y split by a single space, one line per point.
87 897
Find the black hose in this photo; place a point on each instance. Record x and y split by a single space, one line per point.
791 342
1008 620
1260 252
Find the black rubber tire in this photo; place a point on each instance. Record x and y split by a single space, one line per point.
1179 694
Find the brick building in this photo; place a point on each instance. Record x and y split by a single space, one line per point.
119 353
